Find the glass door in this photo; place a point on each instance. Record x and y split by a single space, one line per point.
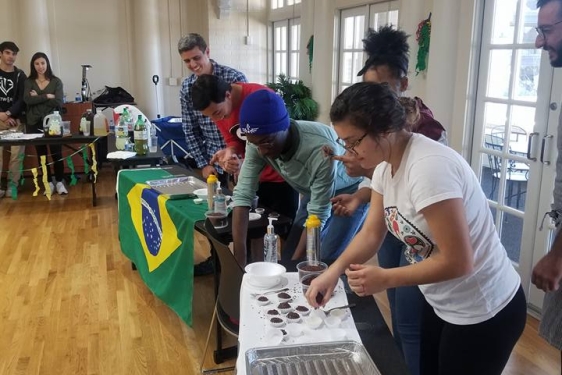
514 148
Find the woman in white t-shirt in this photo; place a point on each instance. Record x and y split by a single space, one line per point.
427 195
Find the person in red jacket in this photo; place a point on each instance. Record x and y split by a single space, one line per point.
221 101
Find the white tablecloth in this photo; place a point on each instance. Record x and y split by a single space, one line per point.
255 327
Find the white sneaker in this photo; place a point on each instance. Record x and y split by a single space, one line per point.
61 189
52 186
2 193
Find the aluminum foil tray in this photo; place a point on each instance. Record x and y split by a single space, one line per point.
331 358
177 187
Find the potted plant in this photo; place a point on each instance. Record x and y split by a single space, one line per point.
297 97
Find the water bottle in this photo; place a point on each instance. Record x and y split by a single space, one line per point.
153 139
86 123
101 125
312 238
130 121
270 243
54 127
78 98
121 134
141 137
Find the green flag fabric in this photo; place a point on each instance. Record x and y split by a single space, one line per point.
156 234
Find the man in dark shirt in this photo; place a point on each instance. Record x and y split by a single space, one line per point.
12 109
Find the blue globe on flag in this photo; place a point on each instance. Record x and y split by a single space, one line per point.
151 221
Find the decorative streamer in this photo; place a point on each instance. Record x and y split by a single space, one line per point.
423 35
13 186
94 162
20 158
48 191
86 161
35 182
73 179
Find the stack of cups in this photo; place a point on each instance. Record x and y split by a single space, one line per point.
308 271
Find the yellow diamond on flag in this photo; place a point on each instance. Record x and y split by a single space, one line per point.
156 231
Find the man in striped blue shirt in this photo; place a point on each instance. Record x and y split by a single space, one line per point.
202 135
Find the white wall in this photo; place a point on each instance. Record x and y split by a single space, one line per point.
116 37
128 41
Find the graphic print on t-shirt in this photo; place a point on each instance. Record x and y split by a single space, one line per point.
235 130
6 86
418 245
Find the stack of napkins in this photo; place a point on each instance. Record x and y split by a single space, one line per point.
121 154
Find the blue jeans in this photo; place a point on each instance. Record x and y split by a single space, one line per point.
335 236
406 305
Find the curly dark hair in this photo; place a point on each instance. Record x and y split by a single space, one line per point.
208 88
389 47
372 107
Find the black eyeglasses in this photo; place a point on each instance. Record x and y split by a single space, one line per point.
266 143
545 29
351 148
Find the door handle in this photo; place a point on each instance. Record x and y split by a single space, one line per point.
529 145
543 146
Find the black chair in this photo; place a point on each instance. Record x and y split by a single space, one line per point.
228 280
516 172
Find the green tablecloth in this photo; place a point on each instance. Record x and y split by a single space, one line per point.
157 235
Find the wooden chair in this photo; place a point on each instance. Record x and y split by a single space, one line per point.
228 275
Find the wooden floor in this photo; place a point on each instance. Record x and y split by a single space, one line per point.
70 303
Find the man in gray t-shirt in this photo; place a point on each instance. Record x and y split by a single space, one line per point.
547 274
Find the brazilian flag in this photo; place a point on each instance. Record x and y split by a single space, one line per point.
156 234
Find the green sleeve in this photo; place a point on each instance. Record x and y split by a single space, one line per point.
322 189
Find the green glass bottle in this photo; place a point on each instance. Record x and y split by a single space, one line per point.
141 137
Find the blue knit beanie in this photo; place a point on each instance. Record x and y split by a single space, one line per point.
263 112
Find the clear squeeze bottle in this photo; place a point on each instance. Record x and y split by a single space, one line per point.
312 238
212 183
220 201
270 243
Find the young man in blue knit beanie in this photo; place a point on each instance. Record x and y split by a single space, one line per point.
295 149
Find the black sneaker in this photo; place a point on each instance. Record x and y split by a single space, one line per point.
206 267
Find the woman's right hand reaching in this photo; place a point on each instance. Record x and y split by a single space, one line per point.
321 288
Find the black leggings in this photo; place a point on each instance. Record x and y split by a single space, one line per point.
476 349
56 156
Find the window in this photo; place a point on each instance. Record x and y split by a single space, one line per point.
354 23
276 4
286 48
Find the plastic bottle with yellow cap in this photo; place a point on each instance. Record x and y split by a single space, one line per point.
212 183
312 238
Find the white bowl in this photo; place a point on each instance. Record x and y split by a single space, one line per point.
278 322
201 193
339 313
294 330
313 322
265 274
262 303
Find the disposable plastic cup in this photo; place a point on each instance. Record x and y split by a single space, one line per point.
218 219
153 144
66 128
306 280
306 267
